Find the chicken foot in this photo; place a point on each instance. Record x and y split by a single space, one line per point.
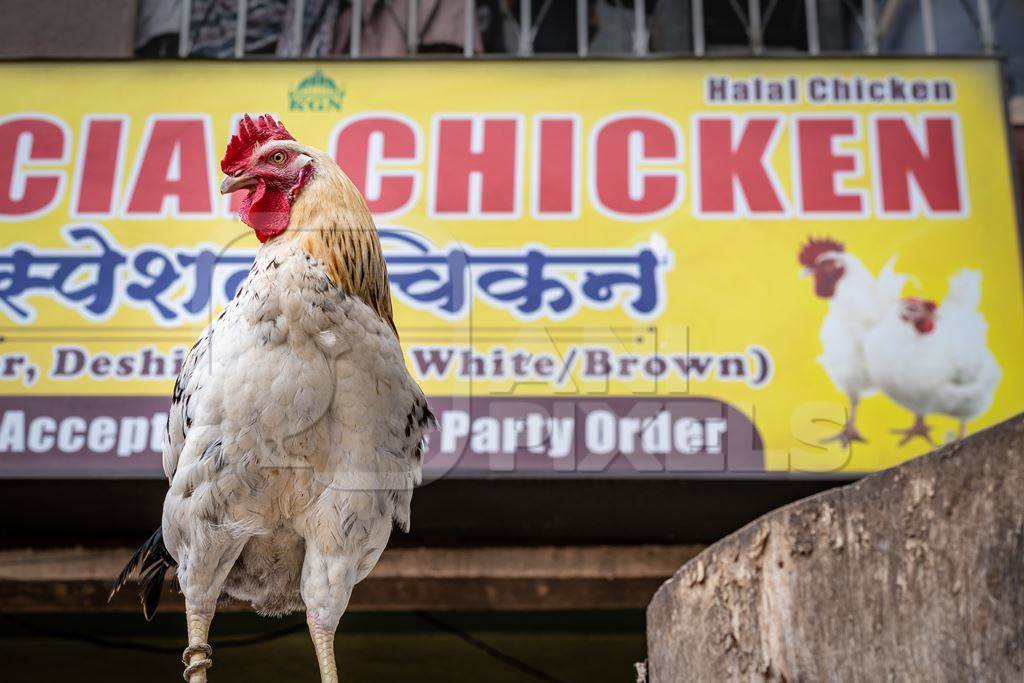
846 435
919 428
849 432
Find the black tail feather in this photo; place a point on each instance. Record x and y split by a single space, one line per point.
150 563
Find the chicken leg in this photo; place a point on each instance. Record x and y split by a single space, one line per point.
919 428
328 576
848 433
197 656
323 641
201 581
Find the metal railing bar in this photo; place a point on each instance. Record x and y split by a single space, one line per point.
811 16
468 39
241 24
582 34
697 12
525 28
185 37
874 23
928 26
858 14
888 17
300 16
539 20
738 11
768 12
412 28
870 28
966 4
356 29
988 38
754 20
639 28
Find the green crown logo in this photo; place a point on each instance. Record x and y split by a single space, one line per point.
317 92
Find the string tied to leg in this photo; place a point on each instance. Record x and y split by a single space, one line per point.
200 664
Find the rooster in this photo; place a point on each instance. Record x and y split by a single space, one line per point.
295 431
857 302
935 359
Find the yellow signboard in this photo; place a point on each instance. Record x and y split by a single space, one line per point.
660 268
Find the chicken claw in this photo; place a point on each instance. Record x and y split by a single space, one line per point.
846 436
919 428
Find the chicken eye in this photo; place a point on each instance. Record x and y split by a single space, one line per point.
278 158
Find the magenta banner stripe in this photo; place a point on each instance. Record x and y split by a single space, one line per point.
111 436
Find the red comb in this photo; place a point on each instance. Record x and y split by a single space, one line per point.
250 135
814 248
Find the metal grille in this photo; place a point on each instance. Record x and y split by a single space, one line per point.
872 18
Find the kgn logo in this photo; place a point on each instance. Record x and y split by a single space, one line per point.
317 92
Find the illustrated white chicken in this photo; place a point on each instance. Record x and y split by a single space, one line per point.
295 431
935 359
857 302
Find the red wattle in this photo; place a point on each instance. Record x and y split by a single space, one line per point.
266 211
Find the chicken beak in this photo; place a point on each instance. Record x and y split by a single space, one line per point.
235 183
805 272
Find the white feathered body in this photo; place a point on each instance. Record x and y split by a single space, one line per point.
859 303
293 421
949 370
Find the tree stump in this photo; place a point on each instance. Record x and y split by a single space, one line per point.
916 573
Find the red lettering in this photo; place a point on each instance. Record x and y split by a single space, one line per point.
620 147
555 159
932 164
727 166
821 168
172 165
493 161
364 144
98 170
26 140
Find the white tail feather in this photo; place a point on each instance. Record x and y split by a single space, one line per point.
964 290
971 394
890 283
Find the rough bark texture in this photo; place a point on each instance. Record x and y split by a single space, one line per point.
916 573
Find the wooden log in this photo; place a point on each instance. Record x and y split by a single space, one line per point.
916 573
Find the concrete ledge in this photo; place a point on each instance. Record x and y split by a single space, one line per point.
542 578
916 573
